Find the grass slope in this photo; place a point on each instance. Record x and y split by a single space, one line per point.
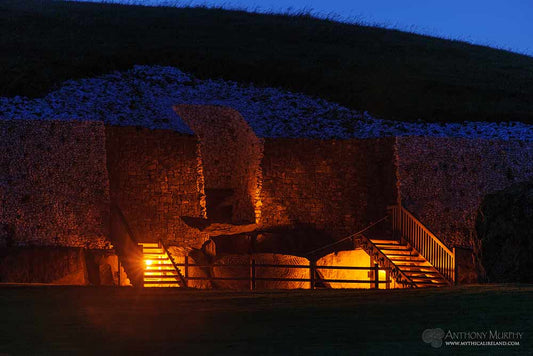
105 321
392 74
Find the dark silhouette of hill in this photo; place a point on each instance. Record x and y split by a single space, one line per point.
392 74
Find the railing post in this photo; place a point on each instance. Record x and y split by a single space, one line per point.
187 271
454 266
376 275
387 277
252 273
399 222
118 267
312 269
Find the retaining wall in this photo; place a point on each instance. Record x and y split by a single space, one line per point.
155 179
335 185
54 188
443 180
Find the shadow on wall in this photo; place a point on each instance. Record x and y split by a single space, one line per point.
300 240
504 243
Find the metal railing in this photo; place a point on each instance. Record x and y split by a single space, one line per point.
423 241
374 281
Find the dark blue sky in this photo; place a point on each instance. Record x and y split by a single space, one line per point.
506 24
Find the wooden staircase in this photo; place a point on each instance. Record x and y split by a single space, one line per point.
159 267
412 268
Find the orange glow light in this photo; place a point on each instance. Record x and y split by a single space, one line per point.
148 262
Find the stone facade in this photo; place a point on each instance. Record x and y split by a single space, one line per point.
231 153
339 186
443 180
155 180
59 179
54 188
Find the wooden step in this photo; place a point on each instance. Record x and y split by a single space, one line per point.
157 266
385 245
153 251
149 244
405 254
414 259
169 272
394 248
162 285
422 275
422 272
161 282
163 269
385 242
430 284
426 267
408 263
427 279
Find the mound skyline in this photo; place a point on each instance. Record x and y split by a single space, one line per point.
145 96
389 73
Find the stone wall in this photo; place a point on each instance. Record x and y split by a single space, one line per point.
443 180
155 179
339 186
231 153
54 189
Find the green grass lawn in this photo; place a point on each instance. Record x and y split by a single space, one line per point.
392 74
97 321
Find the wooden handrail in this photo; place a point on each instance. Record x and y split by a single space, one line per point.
282 266
375 281
425 229
424 242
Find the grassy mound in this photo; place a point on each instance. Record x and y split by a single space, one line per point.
504 227
390 73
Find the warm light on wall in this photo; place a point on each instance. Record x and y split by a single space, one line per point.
148 262
382 276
